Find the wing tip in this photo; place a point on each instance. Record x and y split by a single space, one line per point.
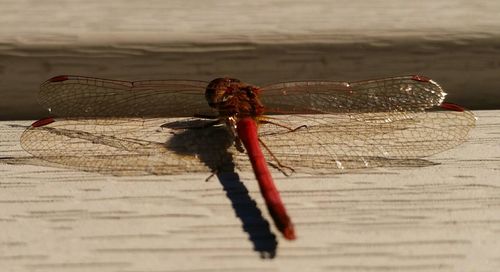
58 78
421 78
452 107
42 122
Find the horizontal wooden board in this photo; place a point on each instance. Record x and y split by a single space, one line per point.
454 42
437 218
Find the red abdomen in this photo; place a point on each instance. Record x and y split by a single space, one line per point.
247 132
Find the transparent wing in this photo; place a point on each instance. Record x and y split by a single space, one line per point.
338 141
349 125
396 94
130 146
77 96
331 141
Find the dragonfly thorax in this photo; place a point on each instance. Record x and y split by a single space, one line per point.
233 98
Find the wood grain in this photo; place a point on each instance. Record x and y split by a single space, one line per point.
437 218
454 42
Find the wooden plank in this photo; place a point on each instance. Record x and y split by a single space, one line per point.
186 25
438 218
454 42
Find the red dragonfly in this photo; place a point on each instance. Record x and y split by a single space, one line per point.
120 127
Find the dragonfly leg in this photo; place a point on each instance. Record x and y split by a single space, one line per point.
283 126
277 165
206 125
205 116
178 125
280 167
238 145
215 172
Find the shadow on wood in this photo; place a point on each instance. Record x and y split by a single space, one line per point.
245 208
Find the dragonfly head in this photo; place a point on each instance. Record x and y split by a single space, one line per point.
231 97
221 90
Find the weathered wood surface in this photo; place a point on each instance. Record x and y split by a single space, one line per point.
454 42
439 218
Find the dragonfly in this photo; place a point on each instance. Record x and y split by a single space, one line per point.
176 126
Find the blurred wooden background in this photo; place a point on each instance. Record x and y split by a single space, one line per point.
457 43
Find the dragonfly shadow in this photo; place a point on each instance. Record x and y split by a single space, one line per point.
245 208
83 144
211 145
